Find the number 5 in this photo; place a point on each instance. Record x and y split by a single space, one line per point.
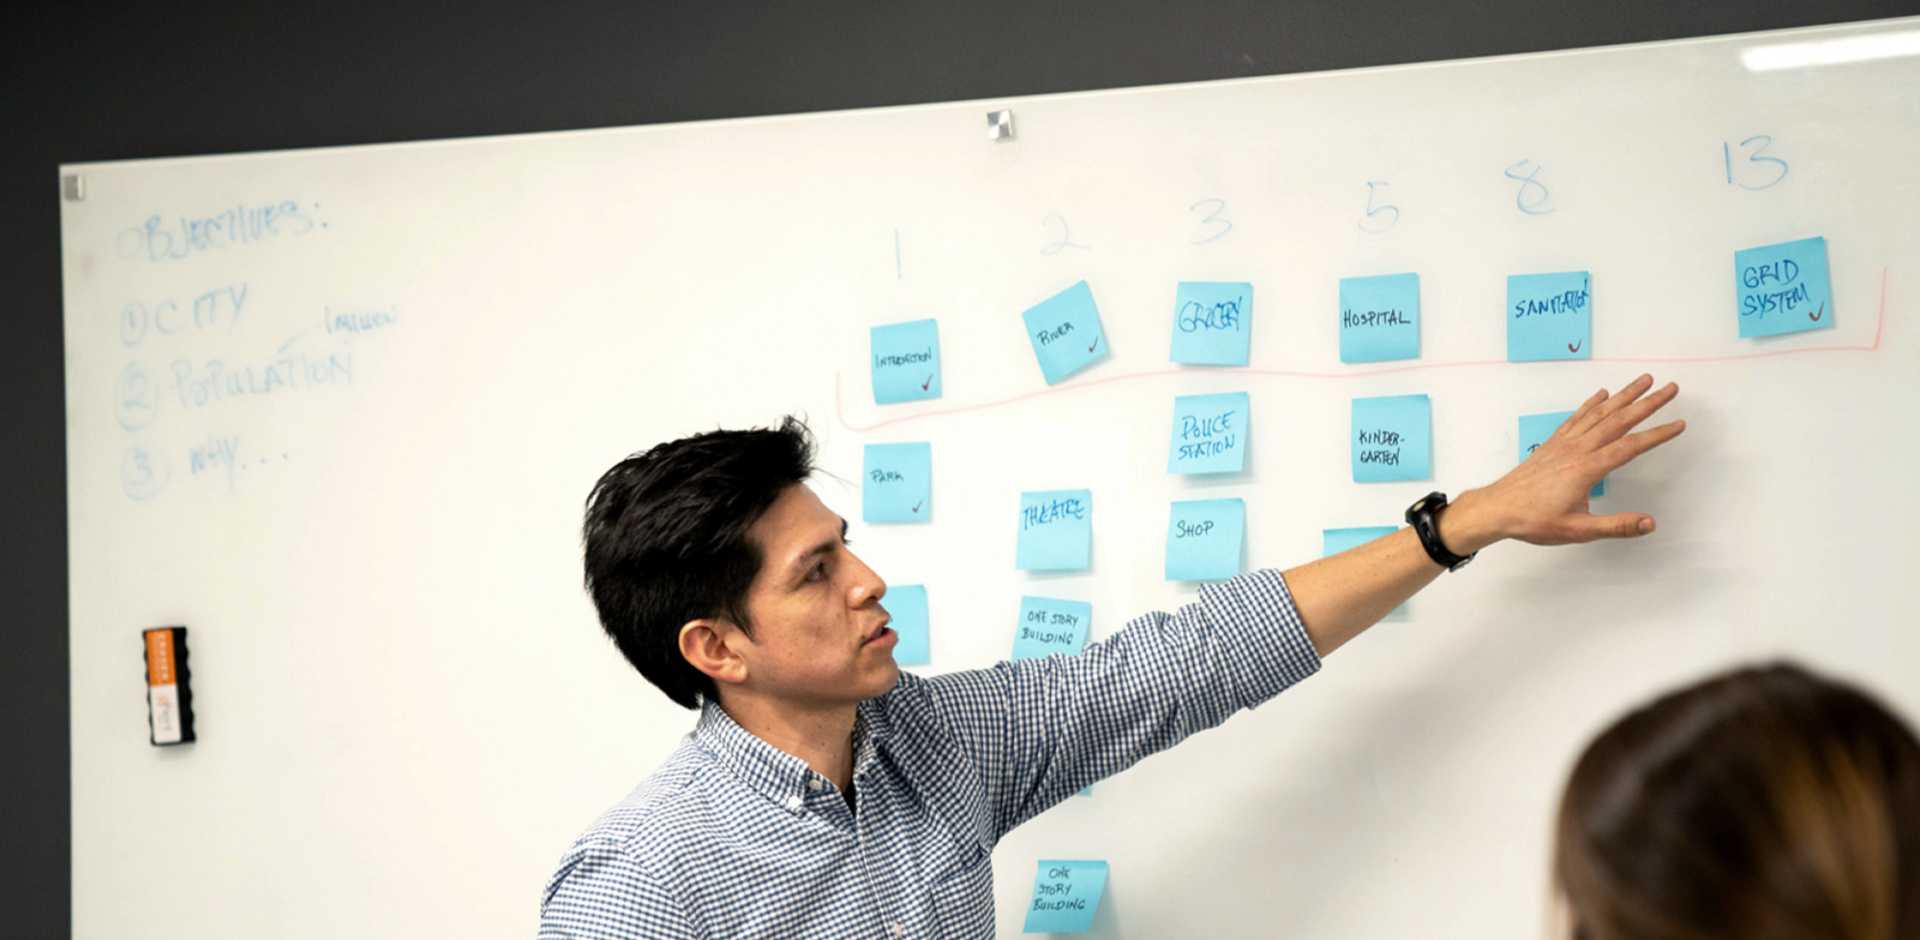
1379 218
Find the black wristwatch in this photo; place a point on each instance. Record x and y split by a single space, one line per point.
1421 516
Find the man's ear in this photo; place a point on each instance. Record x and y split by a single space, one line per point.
704 643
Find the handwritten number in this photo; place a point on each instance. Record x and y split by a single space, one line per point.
1532 197
1214 217
1381 217
133 398
133 324
1066 235
141 474
1776 168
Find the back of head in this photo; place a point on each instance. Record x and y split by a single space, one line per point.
666 539
1764 803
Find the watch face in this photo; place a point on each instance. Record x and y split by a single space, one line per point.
1427 503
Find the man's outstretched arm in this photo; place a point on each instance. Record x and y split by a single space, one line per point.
1543 501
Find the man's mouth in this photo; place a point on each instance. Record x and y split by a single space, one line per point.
880 632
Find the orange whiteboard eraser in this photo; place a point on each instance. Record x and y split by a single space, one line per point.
169 700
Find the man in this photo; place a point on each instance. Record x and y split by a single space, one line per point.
824 793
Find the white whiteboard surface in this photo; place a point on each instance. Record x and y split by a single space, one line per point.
405 705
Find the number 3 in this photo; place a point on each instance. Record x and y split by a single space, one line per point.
1214 217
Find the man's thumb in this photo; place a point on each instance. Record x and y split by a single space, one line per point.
1623 525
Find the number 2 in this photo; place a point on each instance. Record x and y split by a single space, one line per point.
1066 235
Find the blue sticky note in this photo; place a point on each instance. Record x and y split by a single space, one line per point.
1050 625
1783 288
1335 541
1380 318
896 483
1065 332
1534 431
1066 895
1212 322
906 361
1204 537
1549 316
1056 531
1209 433
907 605
1392 439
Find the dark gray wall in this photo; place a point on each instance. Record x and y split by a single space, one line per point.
174 79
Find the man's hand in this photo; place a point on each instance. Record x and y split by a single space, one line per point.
1544 500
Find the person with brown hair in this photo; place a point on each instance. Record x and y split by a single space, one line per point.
1767 802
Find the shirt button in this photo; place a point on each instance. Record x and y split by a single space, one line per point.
814 784
793 803
896 929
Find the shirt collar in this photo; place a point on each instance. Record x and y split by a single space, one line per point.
771 772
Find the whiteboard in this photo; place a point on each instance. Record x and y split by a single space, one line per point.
336 411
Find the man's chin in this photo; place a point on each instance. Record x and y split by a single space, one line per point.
884 681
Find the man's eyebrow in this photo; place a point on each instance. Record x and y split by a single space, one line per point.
825 546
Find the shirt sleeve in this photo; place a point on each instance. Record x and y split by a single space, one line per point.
601 893
1039 730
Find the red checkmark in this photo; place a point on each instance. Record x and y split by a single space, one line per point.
929 381
1815 316
1574 347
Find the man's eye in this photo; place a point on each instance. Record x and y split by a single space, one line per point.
818 572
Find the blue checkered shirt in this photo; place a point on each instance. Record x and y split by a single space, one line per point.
733 838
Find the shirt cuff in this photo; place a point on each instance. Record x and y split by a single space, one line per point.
1256 615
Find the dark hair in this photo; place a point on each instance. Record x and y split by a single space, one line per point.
1764 803
666 541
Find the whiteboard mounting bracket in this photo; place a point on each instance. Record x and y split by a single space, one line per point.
1000 125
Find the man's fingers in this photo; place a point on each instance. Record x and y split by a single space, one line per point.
1626 396
1579 416
1626 419
1627 449
1622 525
